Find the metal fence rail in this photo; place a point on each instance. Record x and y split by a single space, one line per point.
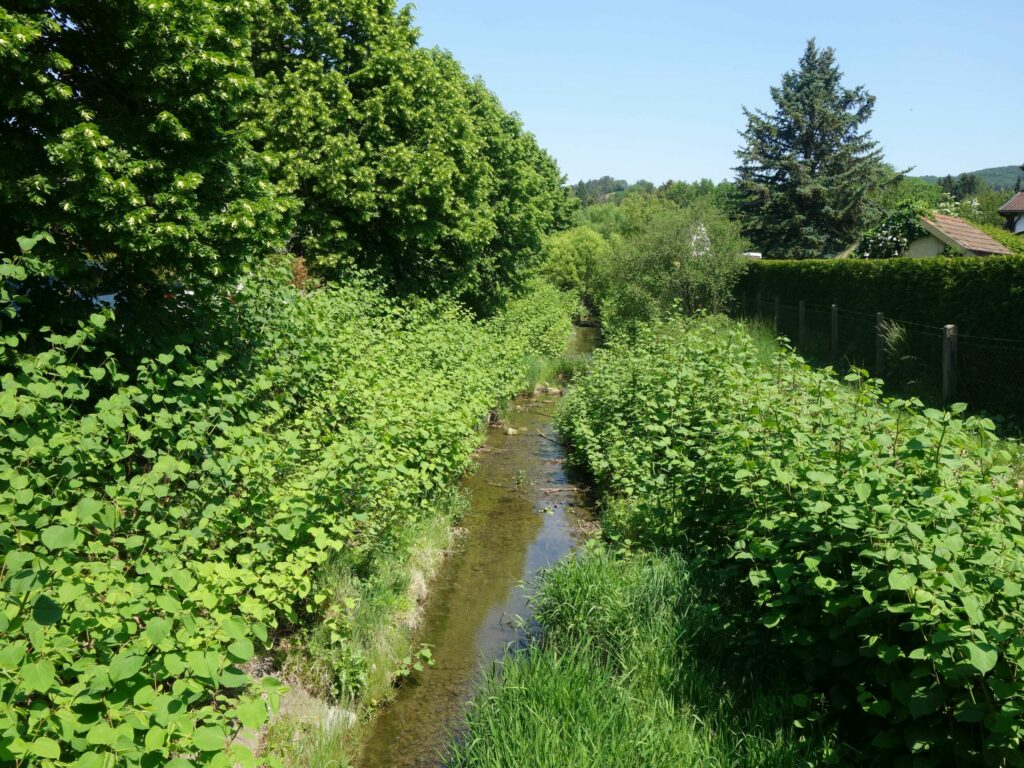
938 364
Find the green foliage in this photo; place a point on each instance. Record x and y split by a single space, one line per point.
684 193
667 258
807 169
130 136
572 258
162 525
598 191
963 186
172 146
980 208
899 190
982 296
404 165
626 676
876 542
1003 177
891 238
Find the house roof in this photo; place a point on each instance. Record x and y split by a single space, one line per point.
959 234
1016 205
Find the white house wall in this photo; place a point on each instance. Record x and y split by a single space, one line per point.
925 247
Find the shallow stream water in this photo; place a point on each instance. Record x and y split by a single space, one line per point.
526 514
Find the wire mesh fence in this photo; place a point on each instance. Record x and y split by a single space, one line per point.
937 364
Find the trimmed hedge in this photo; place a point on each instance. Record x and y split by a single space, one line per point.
982 296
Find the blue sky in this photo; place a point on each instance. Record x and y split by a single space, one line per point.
654 89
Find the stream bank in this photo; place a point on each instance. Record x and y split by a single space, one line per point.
525 514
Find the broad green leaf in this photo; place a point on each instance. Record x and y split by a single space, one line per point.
101 734
58 537
863 491
158 630
124 666
983 657
156 737
209 738
45 611
252 713
39 676
973 609
12 654
46 748
902 580
241 650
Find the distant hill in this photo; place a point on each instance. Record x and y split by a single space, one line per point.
1004 177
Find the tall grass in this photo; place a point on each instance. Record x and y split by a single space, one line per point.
632 671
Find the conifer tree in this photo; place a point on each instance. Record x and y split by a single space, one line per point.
807 168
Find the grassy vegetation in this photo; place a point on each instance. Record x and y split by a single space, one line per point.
631 672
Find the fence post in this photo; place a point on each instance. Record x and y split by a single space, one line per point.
802 333
879 344
776 315
949 364
835 335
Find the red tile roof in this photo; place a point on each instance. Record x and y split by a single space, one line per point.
960 234
1016 204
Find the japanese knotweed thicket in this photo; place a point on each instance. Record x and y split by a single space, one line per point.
178 143
878 542
160 526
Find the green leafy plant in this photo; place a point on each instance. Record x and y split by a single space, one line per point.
878 543
891 238
162 526
419 660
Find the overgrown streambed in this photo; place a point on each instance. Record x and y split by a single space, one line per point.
526 514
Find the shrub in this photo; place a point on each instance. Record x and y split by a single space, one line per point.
670 257
895 233
572 258
877 542
162 525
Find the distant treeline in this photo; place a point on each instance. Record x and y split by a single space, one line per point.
610 190
1005 177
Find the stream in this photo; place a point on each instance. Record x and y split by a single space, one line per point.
525 515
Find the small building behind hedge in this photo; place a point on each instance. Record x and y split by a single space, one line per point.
948 233
1014 213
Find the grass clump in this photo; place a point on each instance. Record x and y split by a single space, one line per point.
626 675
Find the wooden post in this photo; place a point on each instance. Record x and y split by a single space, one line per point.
949 364
802 332
835 335
776 315
879 344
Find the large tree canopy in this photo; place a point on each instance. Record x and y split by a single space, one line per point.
172 145
807 168
127 134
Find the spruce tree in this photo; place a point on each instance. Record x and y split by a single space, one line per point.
807 168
